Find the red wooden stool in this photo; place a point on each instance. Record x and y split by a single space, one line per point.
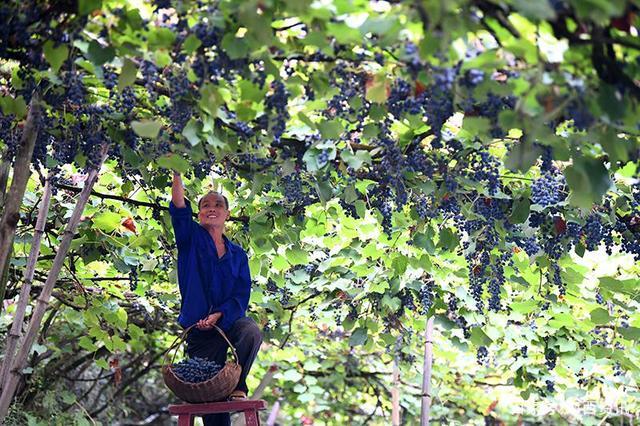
186 412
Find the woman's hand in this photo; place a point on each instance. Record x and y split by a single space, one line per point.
177 191
208 322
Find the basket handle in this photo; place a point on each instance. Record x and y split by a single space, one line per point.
183 336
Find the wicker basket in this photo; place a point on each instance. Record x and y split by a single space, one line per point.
217 388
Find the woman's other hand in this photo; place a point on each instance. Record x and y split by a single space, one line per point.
208 322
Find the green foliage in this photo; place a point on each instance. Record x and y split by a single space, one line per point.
384 161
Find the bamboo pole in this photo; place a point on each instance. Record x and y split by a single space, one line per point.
21 173
266 379
5 166
426 377
25 291
43 300
257 393
274 413
395 394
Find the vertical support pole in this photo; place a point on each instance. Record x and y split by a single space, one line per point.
426 377
185 419
274 413
251 418
395 394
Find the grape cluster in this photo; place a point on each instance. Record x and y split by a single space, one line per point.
530 245
524 351
348 208
418 161
462 323
196 370
133 279
550 386
596 232
547 159
476 284
208 34
472 77
424 207
203 167
8 136
179 114
125 101
555 277
426 295
482 355
179 85
407 300
92 148
293 190
350 85
438 102
387 211
548 190
243 130
550 359
491 109
483 167
156 214
161 4
272 287
397 101
452 304
284 293
495 285
75 90
276 102
151 76
578 111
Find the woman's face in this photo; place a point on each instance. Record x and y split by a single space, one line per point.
213 211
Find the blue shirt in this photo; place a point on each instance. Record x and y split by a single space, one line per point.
207 283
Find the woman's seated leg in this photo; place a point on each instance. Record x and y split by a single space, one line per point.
246 337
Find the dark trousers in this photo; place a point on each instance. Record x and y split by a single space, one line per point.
245 336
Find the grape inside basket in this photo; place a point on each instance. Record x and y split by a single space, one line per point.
216 388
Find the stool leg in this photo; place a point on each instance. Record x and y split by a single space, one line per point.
251 418
185 420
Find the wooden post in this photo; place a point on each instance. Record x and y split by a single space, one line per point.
266 379
274 413
5 167
45 295
23 301
395 394
426 377
257 393
21 173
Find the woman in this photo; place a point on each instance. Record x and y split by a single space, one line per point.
215 285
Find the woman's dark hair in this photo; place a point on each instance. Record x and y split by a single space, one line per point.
226 202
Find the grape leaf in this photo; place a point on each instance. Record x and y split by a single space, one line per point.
146 128
128 74
600 316
55 55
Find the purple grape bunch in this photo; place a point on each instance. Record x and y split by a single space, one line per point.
196 370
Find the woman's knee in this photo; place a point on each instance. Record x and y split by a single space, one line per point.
247 329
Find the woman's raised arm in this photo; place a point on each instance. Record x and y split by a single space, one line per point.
177 191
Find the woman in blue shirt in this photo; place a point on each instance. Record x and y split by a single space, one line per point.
215 285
